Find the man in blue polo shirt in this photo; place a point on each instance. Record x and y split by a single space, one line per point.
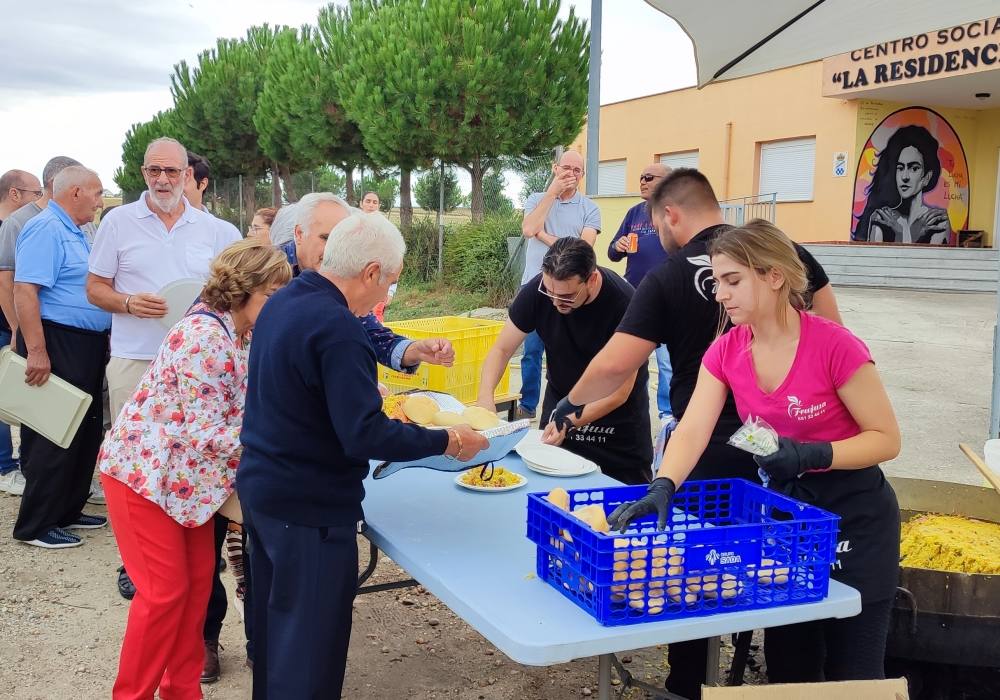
648 253
60 333
560 211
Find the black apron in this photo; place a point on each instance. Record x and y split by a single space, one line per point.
620 445
868 543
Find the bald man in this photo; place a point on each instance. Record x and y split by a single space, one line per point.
638 242
60 333
561 211
17 188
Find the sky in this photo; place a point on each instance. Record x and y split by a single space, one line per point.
80 72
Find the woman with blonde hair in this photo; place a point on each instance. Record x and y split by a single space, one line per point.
816 384
169 463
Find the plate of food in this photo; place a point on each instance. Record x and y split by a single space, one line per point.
498 479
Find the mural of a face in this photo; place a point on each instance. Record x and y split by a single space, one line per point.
912 182
910 176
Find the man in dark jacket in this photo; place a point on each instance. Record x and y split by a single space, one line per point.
313 420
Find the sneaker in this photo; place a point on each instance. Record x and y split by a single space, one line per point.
13 482
523 413
87 522
96 493
56 538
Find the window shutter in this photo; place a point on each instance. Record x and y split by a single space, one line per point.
681 159
611 177
788 168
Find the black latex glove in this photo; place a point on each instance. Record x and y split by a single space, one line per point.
794 458
657 500
563 410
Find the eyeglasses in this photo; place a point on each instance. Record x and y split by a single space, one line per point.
257 229
36 193
559 297
647 177
571 169
154 171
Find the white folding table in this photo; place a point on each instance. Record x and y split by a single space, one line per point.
464 546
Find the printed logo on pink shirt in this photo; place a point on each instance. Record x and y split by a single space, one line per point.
798 411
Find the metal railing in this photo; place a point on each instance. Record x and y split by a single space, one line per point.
738 211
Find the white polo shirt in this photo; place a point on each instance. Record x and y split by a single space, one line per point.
134 248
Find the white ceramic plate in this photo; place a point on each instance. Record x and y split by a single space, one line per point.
551 458
587 468
179 295
490 489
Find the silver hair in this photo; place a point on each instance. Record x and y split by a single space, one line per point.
73 176
167 139
306 206
361 239
283 226
54 167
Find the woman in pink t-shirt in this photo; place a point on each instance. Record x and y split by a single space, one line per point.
815 383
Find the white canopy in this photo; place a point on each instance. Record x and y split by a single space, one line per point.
736 38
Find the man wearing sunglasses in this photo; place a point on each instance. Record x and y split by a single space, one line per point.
638 242
560 211
575 307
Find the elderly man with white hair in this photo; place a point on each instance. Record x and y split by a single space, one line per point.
60 333
316 214
313 421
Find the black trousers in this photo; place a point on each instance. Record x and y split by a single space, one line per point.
217 602
304 582
852 649
58 480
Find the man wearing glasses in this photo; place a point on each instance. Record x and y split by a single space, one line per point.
17 188
575 307
32 201
561 211
142 247
638 242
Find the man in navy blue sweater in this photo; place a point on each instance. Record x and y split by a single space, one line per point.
313 420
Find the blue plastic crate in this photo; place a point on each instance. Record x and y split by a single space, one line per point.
731 545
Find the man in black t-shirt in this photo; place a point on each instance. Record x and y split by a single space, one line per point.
675 305
575 308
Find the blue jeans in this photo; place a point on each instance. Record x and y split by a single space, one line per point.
531 372
7 461
663 384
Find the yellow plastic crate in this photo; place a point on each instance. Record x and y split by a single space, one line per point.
472 338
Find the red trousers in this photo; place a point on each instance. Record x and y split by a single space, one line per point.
171 567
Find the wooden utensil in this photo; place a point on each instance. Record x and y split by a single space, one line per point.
981 466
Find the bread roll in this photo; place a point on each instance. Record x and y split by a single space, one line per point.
559 498
480 418
447 419
420 409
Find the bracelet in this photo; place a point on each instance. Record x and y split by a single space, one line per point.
127 300
458 439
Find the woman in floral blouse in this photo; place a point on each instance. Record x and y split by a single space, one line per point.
168 464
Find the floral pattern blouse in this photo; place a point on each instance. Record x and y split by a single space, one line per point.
177 441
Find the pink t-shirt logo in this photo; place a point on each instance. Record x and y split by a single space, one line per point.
799 412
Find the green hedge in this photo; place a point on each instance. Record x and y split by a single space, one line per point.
475 257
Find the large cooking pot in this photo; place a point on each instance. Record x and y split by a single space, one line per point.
938 616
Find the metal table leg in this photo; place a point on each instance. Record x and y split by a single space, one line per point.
370 569
712 661
604 677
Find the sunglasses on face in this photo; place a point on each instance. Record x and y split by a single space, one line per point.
648 178
561 298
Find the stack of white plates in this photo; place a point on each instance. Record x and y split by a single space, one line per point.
552 461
